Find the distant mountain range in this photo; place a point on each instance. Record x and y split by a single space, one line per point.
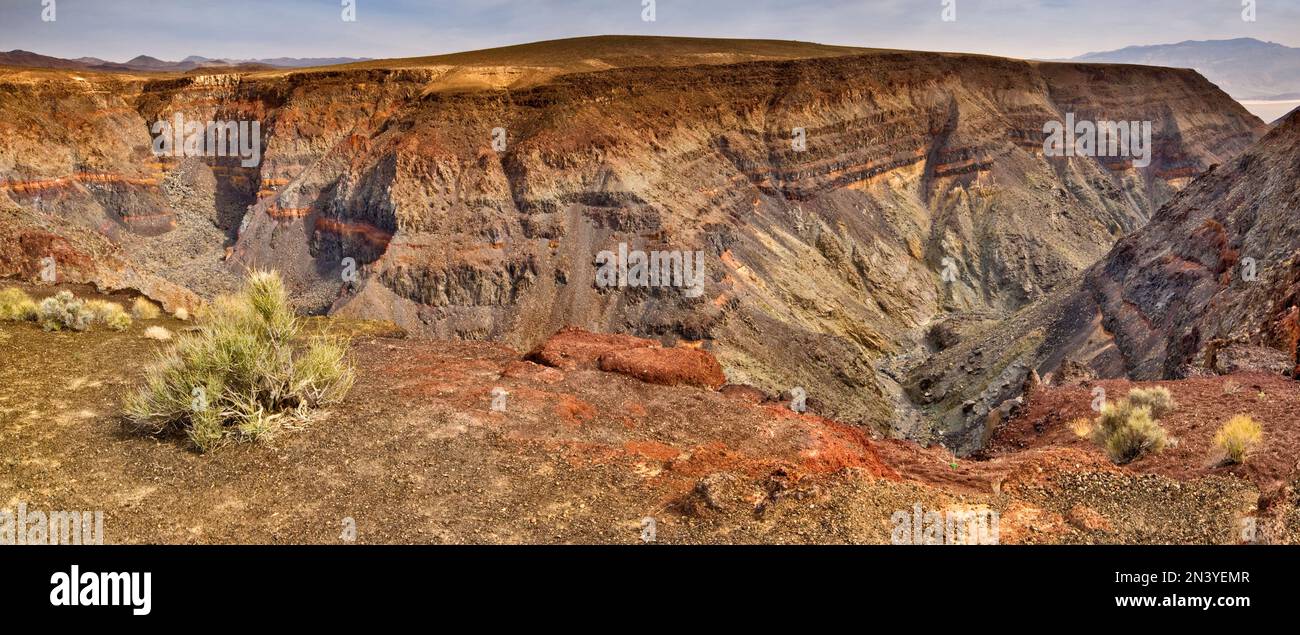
1246 68
146 63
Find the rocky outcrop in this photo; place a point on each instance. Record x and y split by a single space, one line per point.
1246 358
666 366
575 349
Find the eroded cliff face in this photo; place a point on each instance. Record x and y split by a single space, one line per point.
819 261
1210 286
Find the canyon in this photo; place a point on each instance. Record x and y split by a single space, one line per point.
904 300
822 262
1208 287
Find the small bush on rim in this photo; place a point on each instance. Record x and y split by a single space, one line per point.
243 374
1128 429
64 311
1158 399
1237 439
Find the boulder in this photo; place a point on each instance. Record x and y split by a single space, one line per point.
573 348
1088 519
666 366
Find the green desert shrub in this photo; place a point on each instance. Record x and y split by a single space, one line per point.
1238 438
1127 432
16 305
1128 428
110 314
1157 399
143 309
64 311
244 372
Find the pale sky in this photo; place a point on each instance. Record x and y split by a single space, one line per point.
117 30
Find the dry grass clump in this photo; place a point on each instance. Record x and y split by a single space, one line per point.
16 305
158 333
110 314
1157 399
144 309
1237 439
1081 427
244 373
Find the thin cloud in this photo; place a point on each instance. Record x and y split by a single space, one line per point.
122 29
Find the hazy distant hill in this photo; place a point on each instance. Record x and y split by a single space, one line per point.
147 63
35 60
281 62
1245 68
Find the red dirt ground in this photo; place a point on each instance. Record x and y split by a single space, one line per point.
417 453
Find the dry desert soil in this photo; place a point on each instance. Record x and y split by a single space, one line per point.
417 454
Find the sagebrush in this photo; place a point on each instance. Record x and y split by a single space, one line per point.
64 311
